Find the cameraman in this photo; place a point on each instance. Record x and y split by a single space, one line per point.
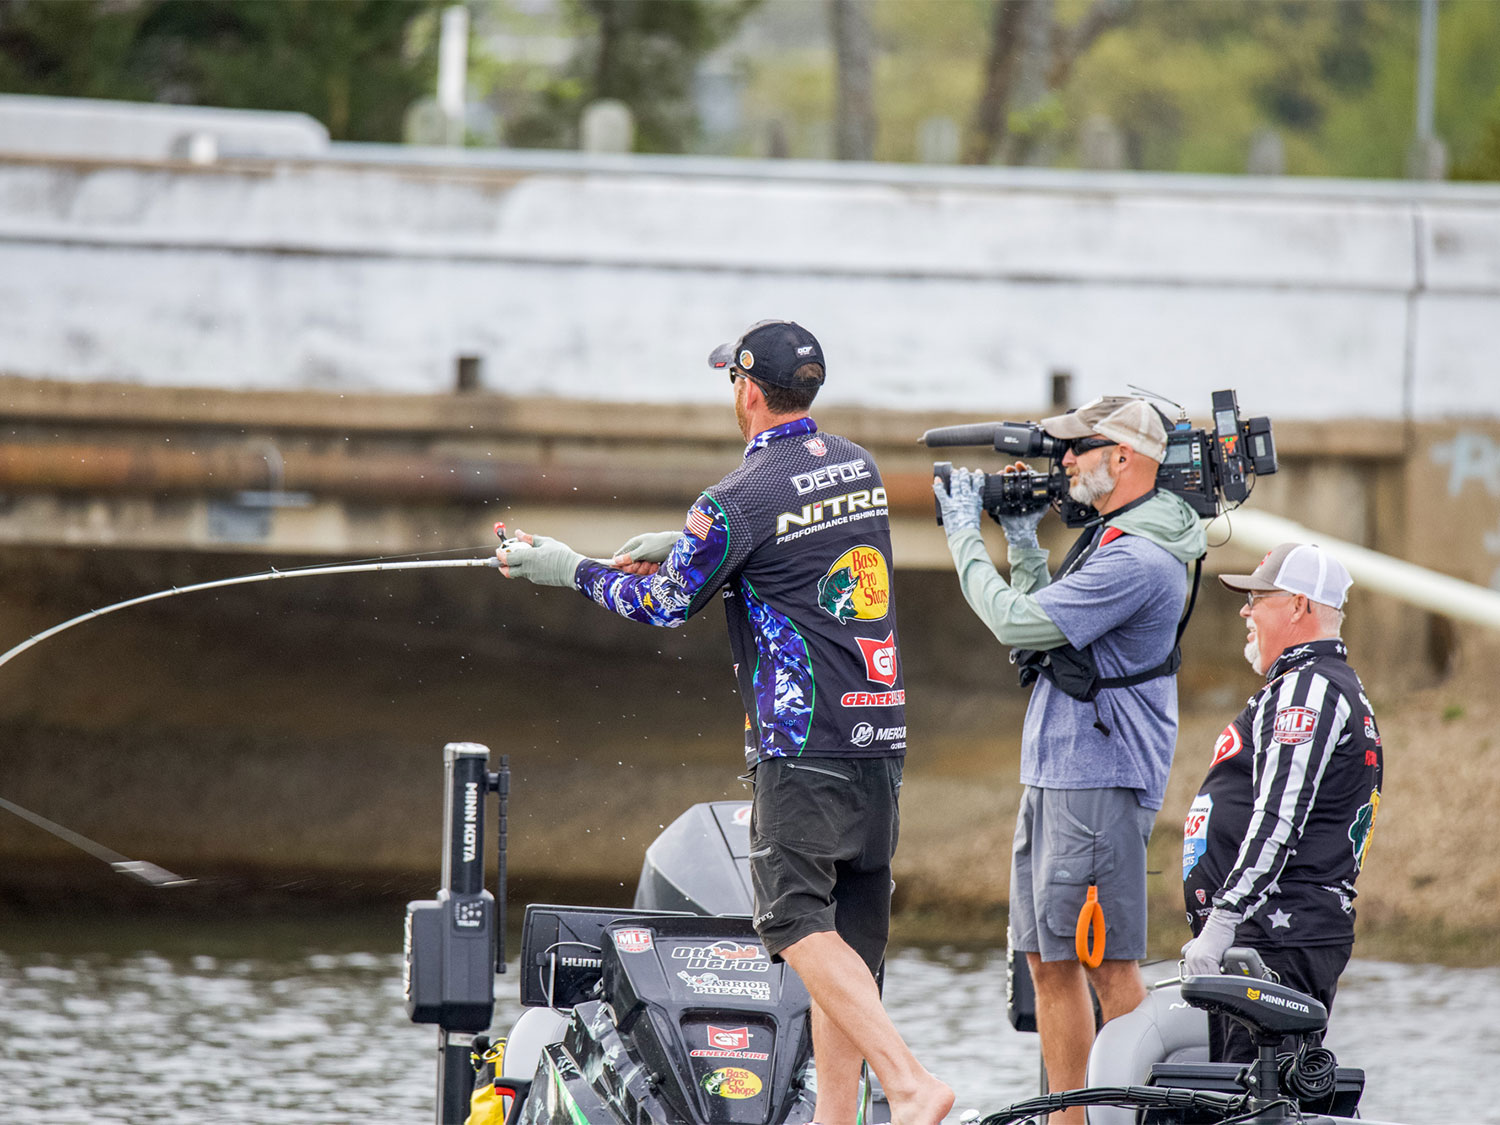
1095 769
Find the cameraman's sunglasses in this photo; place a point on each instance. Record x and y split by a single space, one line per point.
1082 445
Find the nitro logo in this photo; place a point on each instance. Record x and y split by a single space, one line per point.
829 475
880 659
822 512
471 821
1295 725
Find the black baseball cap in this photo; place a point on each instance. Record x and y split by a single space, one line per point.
770 352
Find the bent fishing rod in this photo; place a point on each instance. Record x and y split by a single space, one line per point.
150 873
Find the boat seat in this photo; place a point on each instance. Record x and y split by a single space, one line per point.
1165 1028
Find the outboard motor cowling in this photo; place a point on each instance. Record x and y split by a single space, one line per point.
700 863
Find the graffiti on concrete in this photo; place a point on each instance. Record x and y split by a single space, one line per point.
1473 456
1470 456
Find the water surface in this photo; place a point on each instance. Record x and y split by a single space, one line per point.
295 1024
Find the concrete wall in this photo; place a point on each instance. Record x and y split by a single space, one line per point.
373 268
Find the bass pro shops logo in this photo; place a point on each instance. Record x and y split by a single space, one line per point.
857 587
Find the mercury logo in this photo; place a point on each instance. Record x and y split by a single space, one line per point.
471 821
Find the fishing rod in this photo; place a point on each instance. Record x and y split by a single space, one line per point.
150 873
242 580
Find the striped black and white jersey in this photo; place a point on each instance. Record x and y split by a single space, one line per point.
1281 826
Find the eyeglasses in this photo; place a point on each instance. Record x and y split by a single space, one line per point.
1257 595
1082 445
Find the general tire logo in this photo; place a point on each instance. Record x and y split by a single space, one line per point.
1295 725
857 587
880 658
729 1038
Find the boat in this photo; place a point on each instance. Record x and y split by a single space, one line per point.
670 1011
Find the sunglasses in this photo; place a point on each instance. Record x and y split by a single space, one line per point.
1082 445
1258 595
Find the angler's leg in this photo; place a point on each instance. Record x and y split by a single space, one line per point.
842 987
839 1063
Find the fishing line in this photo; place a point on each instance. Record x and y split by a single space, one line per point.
241 580
146 872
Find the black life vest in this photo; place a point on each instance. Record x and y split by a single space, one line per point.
1073 671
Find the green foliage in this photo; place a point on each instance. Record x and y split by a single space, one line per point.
345 62
644 53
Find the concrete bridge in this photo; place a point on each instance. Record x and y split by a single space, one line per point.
208 368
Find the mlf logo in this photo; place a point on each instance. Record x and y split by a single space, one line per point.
816 446
880 658
633 941
857 587
1295 725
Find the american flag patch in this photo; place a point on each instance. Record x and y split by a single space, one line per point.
699 522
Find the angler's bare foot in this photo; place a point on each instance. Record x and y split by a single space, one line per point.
928 1104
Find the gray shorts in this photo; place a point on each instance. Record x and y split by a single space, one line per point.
1065 840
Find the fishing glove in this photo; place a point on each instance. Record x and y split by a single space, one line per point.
1020 530
546 562
962 502
1204 953
650 547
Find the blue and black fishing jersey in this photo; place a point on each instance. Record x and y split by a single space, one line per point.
798 540
1279 830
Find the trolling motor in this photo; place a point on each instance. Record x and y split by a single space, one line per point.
455 943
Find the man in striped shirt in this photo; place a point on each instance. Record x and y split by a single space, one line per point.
1280 828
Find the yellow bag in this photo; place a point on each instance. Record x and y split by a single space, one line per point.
485 1106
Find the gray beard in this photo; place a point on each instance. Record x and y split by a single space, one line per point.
1252 654
1093 485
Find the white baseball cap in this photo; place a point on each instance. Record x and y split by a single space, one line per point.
1129 421
1296 568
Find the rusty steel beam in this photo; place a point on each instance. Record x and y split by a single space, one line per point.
226 469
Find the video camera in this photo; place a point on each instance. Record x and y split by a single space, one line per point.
1205 469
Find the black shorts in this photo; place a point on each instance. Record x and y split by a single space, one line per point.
1311 969
822 833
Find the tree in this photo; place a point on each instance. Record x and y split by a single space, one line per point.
349 63
644 53
1030 57
854 100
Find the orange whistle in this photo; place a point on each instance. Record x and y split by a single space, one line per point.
1091 917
